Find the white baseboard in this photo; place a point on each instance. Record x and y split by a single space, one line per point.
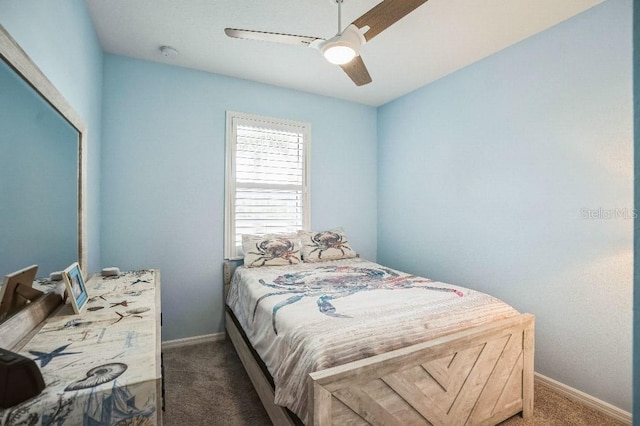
583 398
188 341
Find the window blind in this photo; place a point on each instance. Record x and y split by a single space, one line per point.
266 178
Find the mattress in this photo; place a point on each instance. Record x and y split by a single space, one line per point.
311 316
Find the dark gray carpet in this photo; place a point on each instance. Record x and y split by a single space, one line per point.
205 384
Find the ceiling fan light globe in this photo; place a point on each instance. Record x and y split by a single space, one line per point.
339 53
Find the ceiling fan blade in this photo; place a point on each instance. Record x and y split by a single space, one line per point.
385 14
273 37
357 71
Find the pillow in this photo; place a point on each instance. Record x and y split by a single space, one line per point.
325 245
270 250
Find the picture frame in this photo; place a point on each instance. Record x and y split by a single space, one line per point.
76 289
16 292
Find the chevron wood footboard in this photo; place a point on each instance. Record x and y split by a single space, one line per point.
479 376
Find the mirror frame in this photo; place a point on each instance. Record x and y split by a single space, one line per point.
19 61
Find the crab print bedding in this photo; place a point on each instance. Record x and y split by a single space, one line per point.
308 317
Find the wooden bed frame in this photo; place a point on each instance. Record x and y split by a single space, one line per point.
479 376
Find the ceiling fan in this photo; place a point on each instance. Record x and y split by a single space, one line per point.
344 48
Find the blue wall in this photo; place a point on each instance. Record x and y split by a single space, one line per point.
506 173
163 176
59 37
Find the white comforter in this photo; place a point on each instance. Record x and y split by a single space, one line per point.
307 317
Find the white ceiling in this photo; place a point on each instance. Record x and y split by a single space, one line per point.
438 38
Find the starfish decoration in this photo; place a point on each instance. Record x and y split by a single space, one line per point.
46 357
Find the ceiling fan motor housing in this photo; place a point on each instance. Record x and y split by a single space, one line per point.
342 48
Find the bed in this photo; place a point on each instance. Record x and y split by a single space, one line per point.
353 342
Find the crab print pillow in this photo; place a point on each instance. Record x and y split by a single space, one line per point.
325 245
270 250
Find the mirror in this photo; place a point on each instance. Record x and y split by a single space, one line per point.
42 169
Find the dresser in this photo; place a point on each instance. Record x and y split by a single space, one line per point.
103 366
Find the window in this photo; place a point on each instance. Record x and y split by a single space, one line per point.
266 178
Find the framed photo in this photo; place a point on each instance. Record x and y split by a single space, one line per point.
75 287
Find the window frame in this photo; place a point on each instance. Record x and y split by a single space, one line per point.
231 251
